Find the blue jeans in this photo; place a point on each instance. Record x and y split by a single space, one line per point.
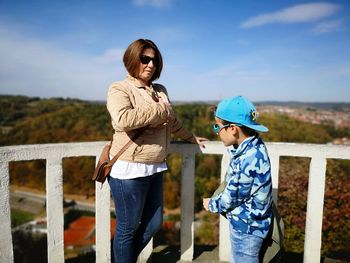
245 248
139 211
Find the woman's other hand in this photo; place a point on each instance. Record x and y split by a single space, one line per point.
169 108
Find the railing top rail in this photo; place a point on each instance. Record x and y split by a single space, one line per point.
326 151
277 148
62 150
47 151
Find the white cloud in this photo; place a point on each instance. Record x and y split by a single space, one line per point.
153 3
242 42
328 26
111 56
296 14
336 71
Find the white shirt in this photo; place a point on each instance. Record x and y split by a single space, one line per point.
127 170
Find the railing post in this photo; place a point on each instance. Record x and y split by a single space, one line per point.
314 213
102 224
275 163
224 238
6 248
187 205
54 210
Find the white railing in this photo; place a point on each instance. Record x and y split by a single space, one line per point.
53 154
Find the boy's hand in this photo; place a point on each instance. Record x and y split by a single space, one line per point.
206 203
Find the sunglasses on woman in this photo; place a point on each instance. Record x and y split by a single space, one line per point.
146 59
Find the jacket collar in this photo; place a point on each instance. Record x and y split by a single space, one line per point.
242 148
136 82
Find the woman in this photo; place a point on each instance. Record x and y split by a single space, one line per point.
136 179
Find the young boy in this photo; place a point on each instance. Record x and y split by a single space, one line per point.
246 200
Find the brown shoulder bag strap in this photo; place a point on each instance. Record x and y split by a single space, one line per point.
126 146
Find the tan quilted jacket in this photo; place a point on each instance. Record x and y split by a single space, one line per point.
131 107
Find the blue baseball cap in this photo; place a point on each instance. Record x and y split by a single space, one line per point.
239 110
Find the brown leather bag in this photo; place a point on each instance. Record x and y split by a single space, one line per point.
104 164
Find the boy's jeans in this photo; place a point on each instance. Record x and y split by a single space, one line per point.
139 211
245 248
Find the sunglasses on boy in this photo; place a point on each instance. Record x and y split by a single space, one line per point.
217 127
146 59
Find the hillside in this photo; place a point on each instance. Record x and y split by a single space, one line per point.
27 120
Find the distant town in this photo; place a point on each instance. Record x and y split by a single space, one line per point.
337 118
337 115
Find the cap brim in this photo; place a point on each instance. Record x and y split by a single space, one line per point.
257 127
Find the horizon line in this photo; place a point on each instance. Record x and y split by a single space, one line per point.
185 101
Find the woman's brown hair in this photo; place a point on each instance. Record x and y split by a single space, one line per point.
132 55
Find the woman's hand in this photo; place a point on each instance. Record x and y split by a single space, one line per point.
169 108
171 113
200 141
206 203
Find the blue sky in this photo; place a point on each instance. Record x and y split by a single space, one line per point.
265 50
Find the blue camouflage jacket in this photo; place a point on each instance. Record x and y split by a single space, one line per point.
247 198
